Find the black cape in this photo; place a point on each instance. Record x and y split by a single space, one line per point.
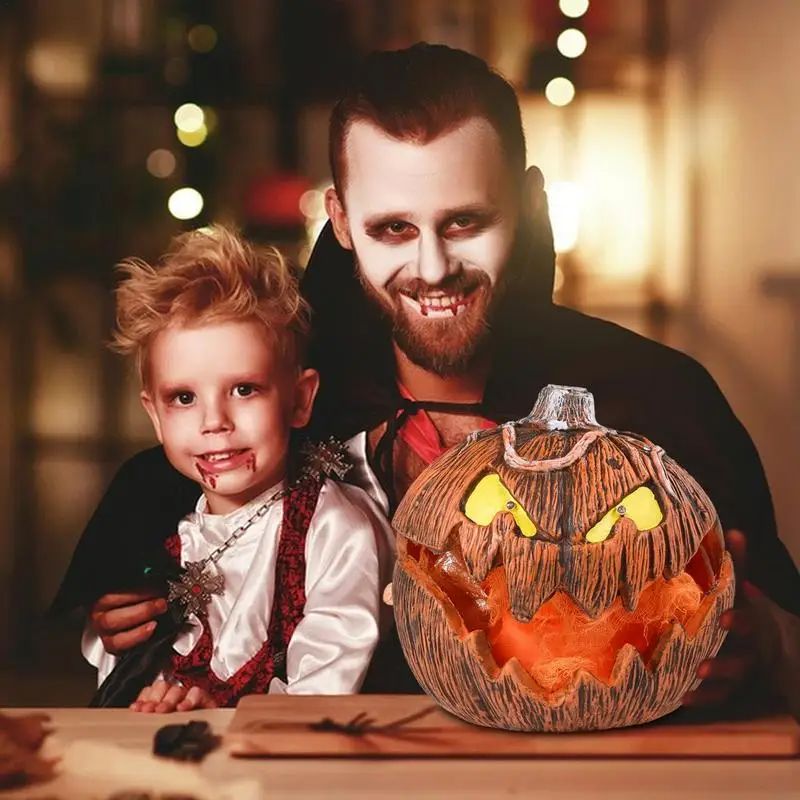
638 385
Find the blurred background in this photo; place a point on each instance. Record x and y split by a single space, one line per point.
667 131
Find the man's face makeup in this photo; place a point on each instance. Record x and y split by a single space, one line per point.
432 226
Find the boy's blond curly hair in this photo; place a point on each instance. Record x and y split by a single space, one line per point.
209 275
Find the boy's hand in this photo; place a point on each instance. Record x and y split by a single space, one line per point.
164 697
124 620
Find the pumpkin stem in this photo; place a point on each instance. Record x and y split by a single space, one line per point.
563 407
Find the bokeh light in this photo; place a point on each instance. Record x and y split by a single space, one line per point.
193 138
571 43
189 118
185 203
202 38
312 203
573 8
161 163
560 91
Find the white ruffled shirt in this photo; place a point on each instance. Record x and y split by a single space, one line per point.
349 558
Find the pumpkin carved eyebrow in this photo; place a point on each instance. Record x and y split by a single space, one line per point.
641 506
490 497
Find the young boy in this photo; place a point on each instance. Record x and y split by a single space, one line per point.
283 574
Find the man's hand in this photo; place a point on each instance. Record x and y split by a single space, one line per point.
124 620
164 697
738 658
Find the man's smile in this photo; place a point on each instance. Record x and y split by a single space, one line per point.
438 304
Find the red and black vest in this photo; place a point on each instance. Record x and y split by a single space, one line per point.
288 605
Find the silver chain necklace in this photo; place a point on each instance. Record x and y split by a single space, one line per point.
196 585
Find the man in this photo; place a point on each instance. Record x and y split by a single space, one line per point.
433 316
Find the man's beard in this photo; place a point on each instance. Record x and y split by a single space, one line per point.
447 345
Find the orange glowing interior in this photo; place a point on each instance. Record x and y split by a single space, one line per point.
561 639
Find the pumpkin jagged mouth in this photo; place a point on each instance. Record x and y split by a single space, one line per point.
561 639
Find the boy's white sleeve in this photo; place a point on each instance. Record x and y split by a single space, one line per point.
94 652
349 556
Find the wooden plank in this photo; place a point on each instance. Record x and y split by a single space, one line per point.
414 726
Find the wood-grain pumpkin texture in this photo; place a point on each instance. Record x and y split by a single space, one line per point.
557 575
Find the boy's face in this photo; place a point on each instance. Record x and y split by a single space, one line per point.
223 402
432 226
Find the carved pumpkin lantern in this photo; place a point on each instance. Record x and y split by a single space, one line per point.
557 575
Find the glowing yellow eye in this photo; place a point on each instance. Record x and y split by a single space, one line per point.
641 506
489 498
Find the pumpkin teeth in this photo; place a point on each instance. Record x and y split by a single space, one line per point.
628 659
633 582
629 594
584 681
478 645
514 670
677 636
629 662
674 637
481 560
461 673
531 583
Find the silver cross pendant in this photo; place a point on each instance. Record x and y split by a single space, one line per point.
195 587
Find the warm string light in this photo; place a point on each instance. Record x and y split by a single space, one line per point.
560 91
192 138
185 203
189 118
193 125
202 38
161 163
573 8
566 198
312 206
571 43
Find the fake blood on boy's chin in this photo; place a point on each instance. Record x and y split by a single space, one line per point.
207 478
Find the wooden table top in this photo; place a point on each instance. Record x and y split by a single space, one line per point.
104 748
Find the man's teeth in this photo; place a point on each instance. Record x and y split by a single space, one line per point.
443 300
439 304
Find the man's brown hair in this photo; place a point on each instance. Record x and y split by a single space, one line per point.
210 275
424 91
